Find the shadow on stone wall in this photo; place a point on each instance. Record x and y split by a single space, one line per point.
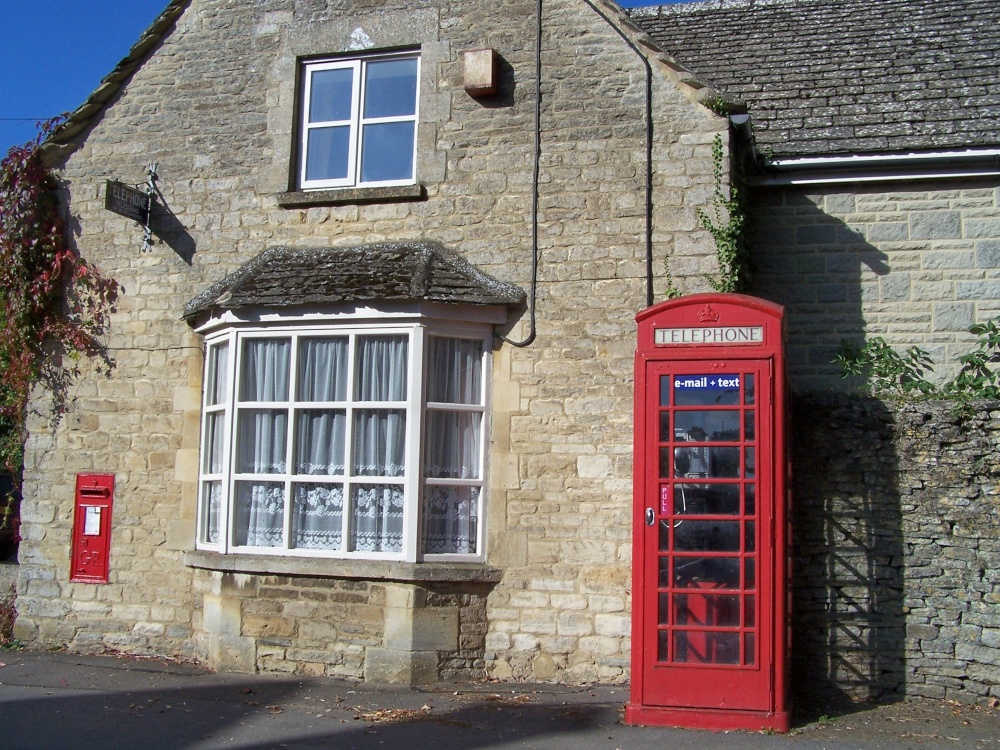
169 230
823 272
848 631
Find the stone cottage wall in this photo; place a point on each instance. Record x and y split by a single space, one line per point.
896 548
916 264
214 107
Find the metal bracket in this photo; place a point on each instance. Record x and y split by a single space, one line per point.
147 236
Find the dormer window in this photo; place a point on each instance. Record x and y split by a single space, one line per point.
359 122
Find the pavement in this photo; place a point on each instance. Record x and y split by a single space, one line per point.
62 700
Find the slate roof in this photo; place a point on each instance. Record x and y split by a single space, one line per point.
284 277
838 77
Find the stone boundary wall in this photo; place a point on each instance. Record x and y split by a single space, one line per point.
896 550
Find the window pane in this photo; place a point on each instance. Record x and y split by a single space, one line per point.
327 152
451 520
322 369
706 462
452 445
711 572
707 648
265 370
391 88
707 499
217 380
215 433
319 441
317 516
387 152
379 442
211 507
707 536
377 518
330 95
262 441
454 370
260 513
381 368
714 610
715 426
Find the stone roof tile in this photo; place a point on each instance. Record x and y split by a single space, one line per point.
284 277
936 61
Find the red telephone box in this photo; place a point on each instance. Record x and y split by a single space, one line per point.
709 596
92 528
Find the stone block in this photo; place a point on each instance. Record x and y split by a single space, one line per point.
400 667
936 225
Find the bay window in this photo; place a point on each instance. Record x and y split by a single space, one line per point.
364 442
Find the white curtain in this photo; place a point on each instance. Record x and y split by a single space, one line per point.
454 372
452 445
379 442
218 375
318 516
262 437
450 520
265 370
211 505
322 372
380 434
377 518
215 432
319 441
381 370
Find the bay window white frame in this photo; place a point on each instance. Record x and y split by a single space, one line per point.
356 121
413 481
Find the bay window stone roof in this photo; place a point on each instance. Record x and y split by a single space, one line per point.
837 77
388 271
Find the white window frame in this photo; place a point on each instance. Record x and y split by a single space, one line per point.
416 406
357 121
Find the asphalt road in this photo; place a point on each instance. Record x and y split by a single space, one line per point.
59 700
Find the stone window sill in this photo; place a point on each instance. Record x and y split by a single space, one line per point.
371 570
343 196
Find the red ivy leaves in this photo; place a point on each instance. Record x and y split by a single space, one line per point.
54 306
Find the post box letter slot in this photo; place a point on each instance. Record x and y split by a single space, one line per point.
94 492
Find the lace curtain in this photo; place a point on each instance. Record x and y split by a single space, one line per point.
318 518
377 518
451 520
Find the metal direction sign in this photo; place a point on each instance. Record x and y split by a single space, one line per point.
719 335
127 201
706 382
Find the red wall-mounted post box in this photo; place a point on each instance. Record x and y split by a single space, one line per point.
95 494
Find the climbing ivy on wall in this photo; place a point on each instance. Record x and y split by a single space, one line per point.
726 223
54 306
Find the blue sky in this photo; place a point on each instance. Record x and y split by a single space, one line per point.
54 53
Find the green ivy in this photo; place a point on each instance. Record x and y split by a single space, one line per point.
726 224
886 373
54 306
